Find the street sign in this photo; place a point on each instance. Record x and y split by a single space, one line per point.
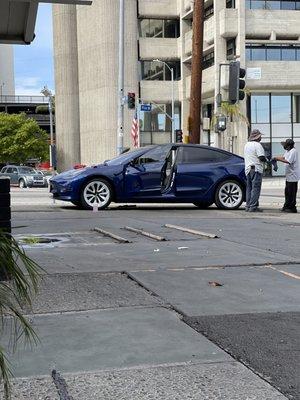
146 107
254 73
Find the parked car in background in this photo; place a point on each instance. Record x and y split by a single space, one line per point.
24 176
172 173
46 173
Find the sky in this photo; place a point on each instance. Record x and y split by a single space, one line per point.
34 63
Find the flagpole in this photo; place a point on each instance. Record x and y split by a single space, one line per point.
138 118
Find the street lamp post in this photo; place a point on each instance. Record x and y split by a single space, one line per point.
48 94
173 99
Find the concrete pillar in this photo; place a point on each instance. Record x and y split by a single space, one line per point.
66 83
97 30
7 80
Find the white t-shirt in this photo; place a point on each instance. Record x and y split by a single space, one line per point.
252 151
292 170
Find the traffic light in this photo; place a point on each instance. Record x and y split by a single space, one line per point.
179 136
131 101
236 82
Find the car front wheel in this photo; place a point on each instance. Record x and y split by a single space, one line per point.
22 184
96 193
229 195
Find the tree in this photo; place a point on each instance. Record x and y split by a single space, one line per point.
16 293
21 138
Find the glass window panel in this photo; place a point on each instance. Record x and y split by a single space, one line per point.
144 28
288 54
171 28
264 129
288 5
248 4
281 131
248 54
260 109
278 150
258 53
273 5
273 54
281 108
297 131
297 5
258 4
298 52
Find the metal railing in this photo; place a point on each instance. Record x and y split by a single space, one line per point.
23 99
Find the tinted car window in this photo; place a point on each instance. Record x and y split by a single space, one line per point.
3 170
195 155
25 170
155 155
9 170
14 170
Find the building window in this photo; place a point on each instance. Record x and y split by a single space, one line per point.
231 48
273 4
255 52
209 12
156 126
230 3
159 28
208 60
158 71
277 116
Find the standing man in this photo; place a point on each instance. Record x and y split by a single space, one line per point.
292 173
254 166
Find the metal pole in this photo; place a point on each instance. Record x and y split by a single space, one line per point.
120 131
173 107
51 133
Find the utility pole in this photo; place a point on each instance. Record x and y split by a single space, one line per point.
196 79
120 131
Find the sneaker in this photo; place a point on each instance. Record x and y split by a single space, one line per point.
255 210
289 210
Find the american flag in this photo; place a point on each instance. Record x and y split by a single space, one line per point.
135 131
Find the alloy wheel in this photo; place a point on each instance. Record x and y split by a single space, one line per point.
96 193
230 195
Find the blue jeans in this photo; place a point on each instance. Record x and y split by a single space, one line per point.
254 181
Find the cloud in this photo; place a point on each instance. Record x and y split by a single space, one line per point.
29 85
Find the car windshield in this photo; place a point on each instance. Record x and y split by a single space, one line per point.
27 170
123 158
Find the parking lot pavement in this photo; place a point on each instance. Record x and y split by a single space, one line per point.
146 319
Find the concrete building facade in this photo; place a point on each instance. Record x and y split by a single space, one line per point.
263 35
7 78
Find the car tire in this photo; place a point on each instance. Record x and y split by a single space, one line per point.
229 195
22 184
202 205
96 191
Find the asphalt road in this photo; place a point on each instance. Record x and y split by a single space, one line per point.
186 317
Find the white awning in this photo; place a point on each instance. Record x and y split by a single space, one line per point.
18 17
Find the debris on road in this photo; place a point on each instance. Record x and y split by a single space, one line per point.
215 284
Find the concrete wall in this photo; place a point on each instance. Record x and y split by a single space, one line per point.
7 79
66 85
163 49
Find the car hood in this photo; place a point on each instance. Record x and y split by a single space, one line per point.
73 173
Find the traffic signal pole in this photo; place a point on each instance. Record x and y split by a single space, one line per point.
120 130
196 79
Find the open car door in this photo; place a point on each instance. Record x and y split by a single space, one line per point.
168 172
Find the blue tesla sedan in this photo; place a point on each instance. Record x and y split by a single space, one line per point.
172 173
